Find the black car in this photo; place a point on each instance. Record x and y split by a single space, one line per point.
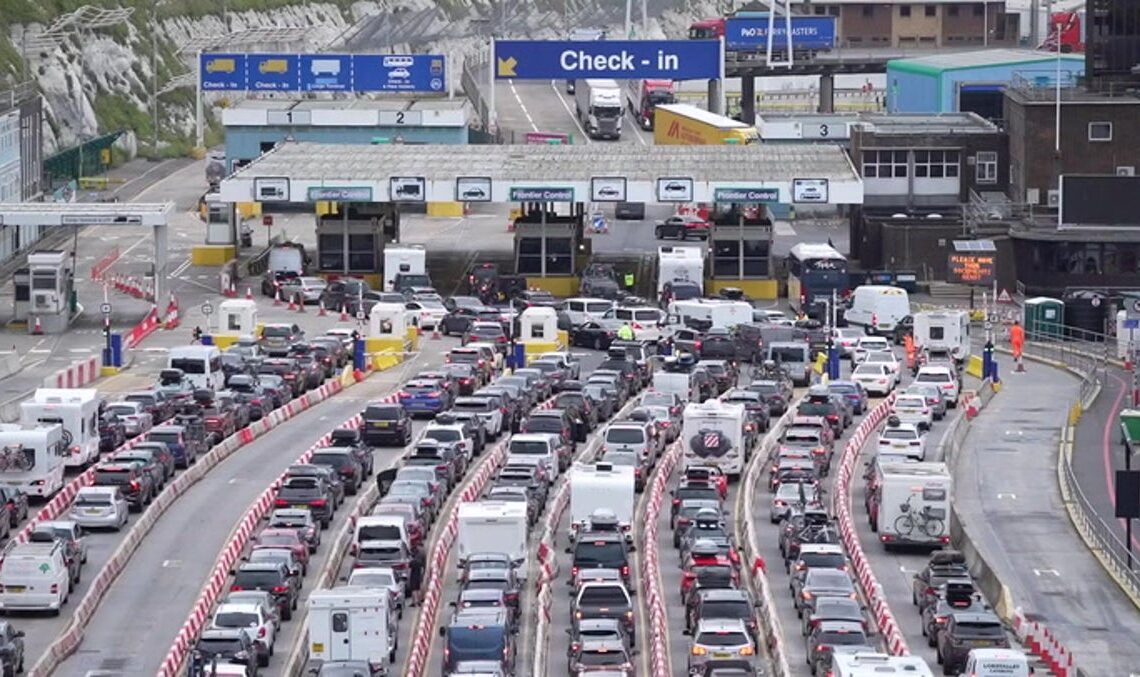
223 646
112 432
352 439
719 343
773 394
338 292
601 550
307 493
343 462
272 577
593 335
155 459
11 649
136 483
386 424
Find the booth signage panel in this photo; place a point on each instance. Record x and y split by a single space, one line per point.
607 189
808 32
675 189
271 189
618 59
323 72
100 220
473 189
966 268
407 189
746 195
348 194
527 194
810 191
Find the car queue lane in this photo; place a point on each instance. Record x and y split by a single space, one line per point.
152 597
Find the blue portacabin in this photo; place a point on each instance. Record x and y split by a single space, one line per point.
809 33
425 73
617 59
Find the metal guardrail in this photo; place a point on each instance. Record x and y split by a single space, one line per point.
1086 359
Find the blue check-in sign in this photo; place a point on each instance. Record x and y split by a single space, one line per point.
223 72
274 72
326 73
617 59
426 73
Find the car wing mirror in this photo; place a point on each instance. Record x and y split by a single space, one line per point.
442 631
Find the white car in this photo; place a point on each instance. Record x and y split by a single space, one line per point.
888 359
494 355
944 378
451 433
136 419
383 578
902 439
399 74
260 627
429 314
868 344
100 507
846 338
875 378
913 409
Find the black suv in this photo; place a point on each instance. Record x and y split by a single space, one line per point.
601 550
386 424
718 343
222 645
343 461
132 479
307 493
271 577
819 402
351 438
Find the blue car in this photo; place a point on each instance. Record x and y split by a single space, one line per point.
423 396
853 393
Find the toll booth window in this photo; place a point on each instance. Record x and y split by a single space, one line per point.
234 323
43 281
755 258
362 253
529 256
726 258
559 256
330 251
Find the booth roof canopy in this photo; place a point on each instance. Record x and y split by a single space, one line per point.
758 162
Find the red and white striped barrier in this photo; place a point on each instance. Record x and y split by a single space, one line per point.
864 575
133 286
102 265
143 329
76 375
1043 644
659 659
173 317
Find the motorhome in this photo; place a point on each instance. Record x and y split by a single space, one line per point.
77 410
352 623
878 308
705 313
201 365
680 264
600 486
910 504
403 261
32 459
713 433
494 522
943 331
865 664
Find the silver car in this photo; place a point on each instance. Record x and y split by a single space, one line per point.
308 289
720 639
99 507
934 397
383 578
67 531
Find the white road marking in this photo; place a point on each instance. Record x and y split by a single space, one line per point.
181 269
1051 572
570 111
171 563
1012 497
79 350
784 228
137 243
522 106
40 351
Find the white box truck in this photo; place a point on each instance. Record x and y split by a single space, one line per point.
403 261
77 410
911 504
600 486
352 624
600 108
494 526
680 264
943 331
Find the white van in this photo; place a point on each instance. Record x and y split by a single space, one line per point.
714 313
534 448
286 259
581 310
677 383
997 663
878 308
201 365
380 528
35 576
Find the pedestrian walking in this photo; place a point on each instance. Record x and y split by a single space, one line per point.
196 335
416 575
1017 343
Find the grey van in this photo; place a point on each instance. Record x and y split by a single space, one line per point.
794 357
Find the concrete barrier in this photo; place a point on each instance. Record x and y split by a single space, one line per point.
659 660
76 375
70 639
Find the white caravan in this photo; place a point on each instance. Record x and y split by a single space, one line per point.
943 331
714 312
496 526
32 459
403 261
352 623
77 410
913 502
680 264
713 434
601 486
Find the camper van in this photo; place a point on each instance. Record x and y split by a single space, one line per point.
705 313
201 365
352 623
878 308
404 262
680 265
77 410
943 331
32 459
498 522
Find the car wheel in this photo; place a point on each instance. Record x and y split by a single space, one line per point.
287 613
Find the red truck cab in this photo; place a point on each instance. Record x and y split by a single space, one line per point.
650 95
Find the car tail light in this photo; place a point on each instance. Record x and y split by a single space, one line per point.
405 395
807 594
290 376
815 623
941 620
134 485
699 650
441 467
637 472
261 632
697 345
280 503
318 503
512 597
399 566
573 572
834 418
280 589
482 363
503 410
500 339
625 570
233 588
746 651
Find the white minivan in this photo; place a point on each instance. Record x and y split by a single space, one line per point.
35 576
997 663
878 308
380 528
582 310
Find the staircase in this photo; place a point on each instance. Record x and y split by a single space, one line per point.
946 291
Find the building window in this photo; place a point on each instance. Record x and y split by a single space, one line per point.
1100 131
952 10
904 10
884 164
931 10
833 10
936 164
868 10
980 9
985 167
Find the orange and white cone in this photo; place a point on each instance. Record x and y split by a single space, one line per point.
343 313
322 312
249 293
277 296
38 327
292 306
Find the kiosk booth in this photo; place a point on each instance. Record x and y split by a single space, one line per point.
390 335
539 333
236 318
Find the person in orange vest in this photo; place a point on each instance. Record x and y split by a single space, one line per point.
911 357
1017 340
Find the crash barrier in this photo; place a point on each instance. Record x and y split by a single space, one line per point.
756 575
235 546
548 572
102 265
132 286
423 634
659 659
70 639
873 592
143 329
76 374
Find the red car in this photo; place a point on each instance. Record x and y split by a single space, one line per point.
284 538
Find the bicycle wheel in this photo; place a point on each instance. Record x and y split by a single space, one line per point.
904 525
932 526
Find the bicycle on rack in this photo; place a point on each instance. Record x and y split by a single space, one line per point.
923 520
768 370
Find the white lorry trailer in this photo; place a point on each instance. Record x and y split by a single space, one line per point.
600 486
403 261
680 264
600 108
911 504
77 410
496 526
352 623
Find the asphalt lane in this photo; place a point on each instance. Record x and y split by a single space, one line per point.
545 106
154 594
1008 498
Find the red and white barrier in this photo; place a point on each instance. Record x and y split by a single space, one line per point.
143 329
133 286
76 375
864 575
104 264
1041 642
173 317
659 659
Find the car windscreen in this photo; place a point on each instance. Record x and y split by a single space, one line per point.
236 619
529 447
815 408
477 641
378 532
788 354
443 434
826 578
823 560
898 434
464 358
189 365
594 553
600 657
933 377
842 638
381 413
253 580
115 477
211 646
625 436
603 595
276 332
844 388
979 630
722 638
93 499
474 405
737 608
380 553
330 459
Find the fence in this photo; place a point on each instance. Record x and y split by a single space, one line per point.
1085 358
469 80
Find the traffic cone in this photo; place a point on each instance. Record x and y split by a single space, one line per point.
343 313
38 328
322 312
249 293
277 297
435 335
301 304
292 306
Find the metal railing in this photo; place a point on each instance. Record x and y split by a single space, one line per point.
1087 359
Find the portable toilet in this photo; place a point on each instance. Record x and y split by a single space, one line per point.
1043 318
236 318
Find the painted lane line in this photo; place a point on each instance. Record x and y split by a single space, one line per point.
522 106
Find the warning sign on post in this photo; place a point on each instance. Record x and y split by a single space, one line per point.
971 268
